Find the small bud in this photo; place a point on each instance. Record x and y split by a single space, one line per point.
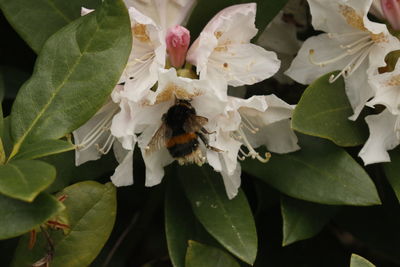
178 39
391 10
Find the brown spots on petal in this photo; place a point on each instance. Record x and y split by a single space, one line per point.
139 31
225 65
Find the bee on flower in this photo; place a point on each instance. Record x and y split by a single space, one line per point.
175 113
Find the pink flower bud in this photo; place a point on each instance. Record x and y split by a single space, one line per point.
178 39
391 9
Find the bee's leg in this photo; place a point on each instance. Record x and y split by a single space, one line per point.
205 141
204 130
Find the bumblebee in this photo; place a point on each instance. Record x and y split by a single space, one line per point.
179 132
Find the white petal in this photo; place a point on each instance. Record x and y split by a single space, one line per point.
358 90
382 138
232 25
230 148
242 64
166 13
91 152
122 126
123 174
387 90
147 55
273 125
156 160
232 181
327 16
85 11
325 48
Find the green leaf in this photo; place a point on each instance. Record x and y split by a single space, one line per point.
25 179
323 111
44 148
203 12
358 261
6 137
68 173
320 172
228 221
392 171
74 74
18 217
181 224
2 85
36 21
199 255
91 210
303 220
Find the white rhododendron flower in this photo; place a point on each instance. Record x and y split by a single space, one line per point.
220 129
352 44
386 88
384 128
384 131
245 125
224 55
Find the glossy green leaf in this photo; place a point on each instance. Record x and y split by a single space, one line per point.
6 137
25 179
18 217
228 221
358 261
2 151
392 171
200 255
91 210
203 12
320 172
68 173
303 220
74 74
36 21
44 148
2 85
181 224
323 111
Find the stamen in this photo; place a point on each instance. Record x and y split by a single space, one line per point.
351 66
107 145
356 42
97 131
338 35
252 153
249 125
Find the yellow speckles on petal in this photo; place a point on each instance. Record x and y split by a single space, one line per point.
139 31
352 18
356 21
379 38
173 91
394 81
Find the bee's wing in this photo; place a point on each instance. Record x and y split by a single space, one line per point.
159 138
194 123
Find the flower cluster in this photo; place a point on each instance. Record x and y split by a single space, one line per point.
359 48
175 113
